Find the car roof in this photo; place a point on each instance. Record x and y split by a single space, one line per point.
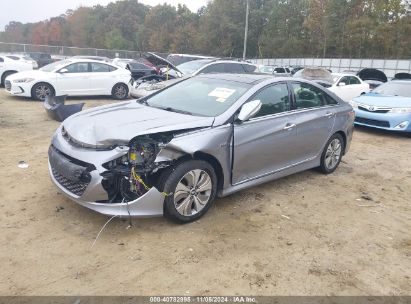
243 78
75 60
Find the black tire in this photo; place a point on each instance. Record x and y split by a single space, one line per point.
327 166
4 76
172 177
119 91
40 90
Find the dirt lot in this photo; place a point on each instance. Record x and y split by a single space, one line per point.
309 234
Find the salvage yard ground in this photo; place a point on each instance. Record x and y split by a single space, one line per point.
309 234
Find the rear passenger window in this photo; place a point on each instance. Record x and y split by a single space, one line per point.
101 68
279 70
309 96
1 59
274 100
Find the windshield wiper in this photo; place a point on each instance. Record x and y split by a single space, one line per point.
142 100
169 109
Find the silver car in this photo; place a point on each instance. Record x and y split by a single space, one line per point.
208 136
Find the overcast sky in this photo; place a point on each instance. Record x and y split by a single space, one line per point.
37 10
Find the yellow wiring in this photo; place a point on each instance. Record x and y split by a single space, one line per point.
140 180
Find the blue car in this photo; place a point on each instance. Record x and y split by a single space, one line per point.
388 107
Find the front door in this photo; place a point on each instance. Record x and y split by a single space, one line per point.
75 81
264 144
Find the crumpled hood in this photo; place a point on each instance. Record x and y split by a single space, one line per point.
36 74
119 123
380 100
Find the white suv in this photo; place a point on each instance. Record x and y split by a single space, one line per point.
10 64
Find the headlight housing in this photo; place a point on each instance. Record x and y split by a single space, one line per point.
353 104
23 80
400 110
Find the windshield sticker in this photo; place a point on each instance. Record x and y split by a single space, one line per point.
221 94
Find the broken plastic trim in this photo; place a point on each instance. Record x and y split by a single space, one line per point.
57 110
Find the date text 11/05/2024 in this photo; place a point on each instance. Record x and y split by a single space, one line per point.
206 299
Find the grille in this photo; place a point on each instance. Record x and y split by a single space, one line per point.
76 188
7 84
373 122
383 111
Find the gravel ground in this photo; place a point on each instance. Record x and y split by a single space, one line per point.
308 234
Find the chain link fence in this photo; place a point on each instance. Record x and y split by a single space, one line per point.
67 51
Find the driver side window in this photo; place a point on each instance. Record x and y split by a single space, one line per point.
80 67
345 80
274 100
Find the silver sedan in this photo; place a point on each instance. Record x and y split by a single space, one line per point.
208 136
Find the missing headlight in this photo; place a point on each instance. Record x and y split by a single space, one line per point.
133 174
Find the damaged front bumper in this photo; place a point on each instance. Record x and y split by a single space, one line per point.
77 173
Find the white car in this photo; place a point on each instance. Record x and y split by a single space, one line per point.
72 77
347 86
10 64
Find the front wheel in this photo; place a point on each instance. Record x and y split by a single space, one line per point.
190 190
332 154
41 90
119 91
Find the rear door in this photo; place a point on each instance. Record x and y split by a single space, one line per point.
76 80
315 116
264 144
102 78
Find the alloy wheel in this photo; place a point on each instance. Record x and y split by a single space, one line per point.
42 91
333 154
193 192
120 91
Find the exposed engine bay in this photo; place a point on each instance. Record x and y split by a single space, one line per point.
132 175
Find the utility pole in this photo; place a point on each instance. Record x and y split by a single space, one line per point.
246 30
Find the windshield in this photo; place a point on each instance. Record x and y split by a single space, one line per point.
394 89
199 96
55 66
188 68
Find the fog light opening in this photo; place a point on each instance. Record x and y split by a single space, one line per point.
402 125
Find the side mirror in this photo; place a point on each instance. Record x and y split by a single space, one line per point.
249 110
62 71
342 84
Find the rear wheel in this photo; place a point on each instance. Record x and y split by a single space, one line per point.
119 91
191 188
41 90
332 154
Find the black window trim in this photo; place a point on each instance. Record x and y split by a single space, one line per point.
294 108
88 67
275 114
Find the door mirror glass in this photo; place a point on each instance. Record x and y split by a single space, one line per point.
249 110
342 84
62 71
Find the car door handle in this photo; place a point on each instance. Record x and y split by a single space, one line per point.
289 126
329 115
